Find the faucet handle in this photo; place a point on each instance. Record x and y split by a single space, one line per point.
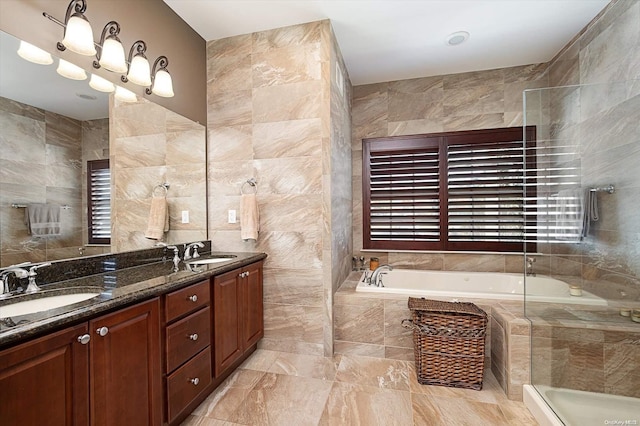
32 270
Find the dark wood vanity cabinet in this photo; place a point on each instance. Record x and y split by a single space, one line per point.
104 372
237 314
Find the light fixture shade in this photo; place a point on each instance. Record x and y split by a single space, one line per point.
100 84
68 70
139 71
78 36
162 84
125 95
112 57
34 54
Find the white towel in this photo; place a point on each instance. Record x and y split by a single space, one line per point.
43 219
249 217
570 215
158 219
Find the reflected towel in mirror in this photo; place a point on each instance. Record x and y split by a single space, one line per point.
43 219
158 218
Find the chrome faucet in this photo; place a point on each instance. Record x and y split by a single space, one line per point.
187 250
33 287
375 278
4 278
176 257
529 268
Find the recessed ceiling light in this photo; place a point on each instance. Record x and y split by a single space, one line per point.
457 38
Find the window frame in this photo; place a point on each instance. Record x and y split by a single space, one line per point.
93 165
414 142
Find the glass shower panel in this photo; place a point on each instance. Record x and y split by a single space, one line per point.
583 229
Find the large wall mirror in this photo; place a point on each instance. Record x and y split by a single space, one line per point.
51 127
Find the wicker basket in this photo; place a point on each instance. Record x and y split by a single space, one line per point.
448 342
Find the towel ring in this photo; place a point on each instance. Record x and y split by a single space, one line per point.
252 184
164 187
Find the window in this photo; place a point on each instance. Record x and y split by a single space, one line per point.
99 201
461 191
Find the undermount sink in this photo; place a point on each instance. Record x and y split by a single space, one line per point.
209 260
43 304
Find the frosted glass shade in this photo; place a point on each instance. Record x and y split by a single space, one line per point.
68 70
125 95
112 57
34 54
162 84
139 71
100 84
78 36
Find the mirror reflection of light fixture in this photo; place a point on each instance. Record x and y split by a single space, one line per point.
78 36
100 84
34 54
125 95
139 69
110 51
71 71
161 83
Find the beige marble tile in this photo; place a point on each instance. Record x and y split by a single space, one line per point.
354 404
311 366
281 399
229 108
362 324
293 323
260 360
287 102
367 371
293 346
230 46
204 421
293 287
227 397
437 410
228 73
294 35
351 348
293 138
473 79
473 263
473 122
286 65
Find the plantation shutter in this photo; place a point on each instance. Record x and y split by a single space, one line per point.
99 201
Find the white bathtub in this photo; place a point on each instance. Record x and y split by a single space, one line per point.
476 285
578 408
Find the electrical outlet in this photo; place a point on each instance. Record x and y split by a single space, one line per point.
232 216
185 216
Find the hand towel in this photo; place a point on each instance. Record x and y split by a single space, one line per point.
43 219
590 210
570 215
158 219
249 217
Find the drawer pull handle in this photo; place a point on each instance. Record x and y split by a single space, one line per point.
84 339
193 336
195 381
193 298
244 274
102 331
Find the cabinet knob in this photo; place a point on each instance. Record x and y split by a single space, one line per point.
102 331
195 381
84 339
193 336
193 298
244 274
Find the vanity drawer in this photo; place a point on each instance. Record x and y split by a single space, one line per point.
187 382
186 300
187 337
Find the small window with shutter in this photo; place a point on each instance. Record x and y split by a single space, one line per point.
456 191
99 201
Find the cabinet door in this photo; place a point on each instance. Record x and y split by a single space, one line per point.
253 312
227 308
126 386
46 381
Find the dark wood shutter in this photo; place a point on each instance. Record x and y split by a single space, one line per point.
99 201
450 191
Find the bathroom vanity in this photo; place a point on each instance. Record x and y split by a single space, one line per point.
147 350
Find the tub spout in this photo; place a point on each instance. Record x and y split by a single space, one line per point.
374 279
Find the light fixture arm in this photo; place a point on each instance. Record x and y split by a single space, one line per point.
80 7
140 47
161 63
114 29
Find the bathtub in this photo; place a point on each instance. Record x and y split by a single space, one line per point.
578 408
475 285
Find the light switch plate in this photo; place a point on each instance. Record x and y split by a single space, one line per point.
185 216
232 216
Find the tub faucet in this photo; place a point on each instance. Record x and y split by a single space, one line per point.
529 268
374 279
4 279
33 287
187 250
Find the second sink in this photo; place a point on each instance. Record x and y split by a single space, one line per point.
43 304
208 260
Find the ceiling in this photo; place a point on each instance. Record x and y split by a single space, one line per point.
386 40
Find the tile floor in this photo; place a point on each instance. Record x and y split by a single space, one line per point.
279 388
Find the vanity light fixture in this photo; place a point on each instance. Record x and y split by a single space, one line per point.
34 54
78 36
110 51
71 71
139 70
100 84
125 95
161 83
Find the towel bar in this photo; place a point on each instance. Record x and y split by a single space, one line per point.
252 183
609 188
163 187
24 206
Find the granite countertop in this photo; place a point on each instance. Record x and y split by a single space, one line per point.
117 289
